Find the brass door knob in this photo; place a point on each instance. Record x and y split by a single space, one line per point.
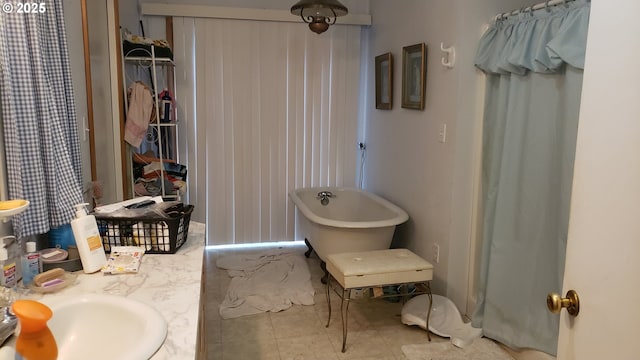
572 303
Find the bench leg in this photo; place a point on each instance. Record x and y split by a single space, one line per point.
344 309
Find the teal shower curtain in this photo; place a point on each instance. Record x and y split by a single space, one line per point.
533 64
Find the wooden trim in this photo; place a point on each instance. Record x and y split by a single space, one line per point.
89 89
169 38
205 11
171 84
123 145
169 30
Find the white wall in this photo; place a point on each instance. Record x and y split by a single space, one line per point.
354 6
105 91
75 45
405 162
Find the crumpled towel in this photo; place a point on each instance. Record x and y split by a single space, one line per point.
138 114
270 281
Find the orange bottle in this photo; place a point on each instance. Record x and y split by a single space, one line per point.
35 340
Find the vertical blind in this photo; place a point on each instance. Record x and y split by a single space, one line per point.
266 107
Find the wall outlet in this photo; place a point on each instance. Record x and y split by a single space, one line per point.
435 249
357 293
442 135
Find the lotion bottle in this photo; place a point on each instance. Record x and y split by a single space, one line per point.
88 240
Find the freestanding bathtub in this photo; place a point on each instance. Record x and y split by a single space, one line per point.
353 220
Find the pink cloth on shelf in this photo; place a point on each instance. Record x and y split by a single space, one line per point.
138 114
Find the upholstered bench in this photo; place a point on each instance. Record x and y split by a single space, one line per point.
374 269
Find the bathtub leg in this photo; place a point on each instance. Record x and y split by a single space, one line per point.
323 266
308 252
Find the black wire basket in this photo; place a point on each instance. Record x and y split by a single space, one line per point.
156 235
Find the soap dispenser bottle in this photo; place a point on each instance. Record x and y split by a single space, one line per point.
85 231
35 340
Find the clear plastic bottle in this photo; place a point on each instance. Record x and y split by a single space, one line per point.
31 264
9 269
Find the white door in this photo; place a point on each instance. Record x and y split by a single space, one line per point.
603 251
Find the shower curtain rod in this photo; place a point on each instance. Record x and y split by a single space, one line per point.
538 6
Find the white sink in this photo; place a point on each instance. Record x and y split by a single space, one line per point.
94 326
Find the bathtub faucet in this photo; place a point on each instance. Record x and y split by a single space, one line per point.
324 196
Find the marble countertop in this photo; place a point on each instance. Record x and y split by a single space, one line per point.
168 282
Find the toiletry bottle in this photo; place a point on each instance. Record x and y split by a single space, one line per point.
9 271
166 106
35 340
88 240
31 265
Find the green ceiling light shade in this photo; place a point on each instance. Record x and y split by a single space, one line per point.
319 14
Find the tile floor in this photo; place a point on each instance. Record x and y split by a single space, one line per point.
299 333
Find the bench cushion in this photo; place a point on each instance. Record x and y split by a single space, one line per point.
378 268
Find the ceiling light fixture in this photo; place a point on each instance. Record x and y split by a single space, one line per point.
319 14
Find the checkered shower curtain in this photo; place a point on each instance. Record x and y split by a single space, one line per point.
38 117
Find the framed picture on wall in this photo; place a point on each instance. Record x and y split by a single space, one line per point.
384 81
414 63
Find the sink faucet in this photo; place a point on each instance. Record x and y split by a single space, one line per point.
324 196
8 323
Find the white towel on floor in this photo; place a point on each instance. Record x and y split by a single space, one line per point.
481 349
269 281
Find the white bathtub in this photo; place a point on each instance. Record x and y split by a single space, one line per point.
354 220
